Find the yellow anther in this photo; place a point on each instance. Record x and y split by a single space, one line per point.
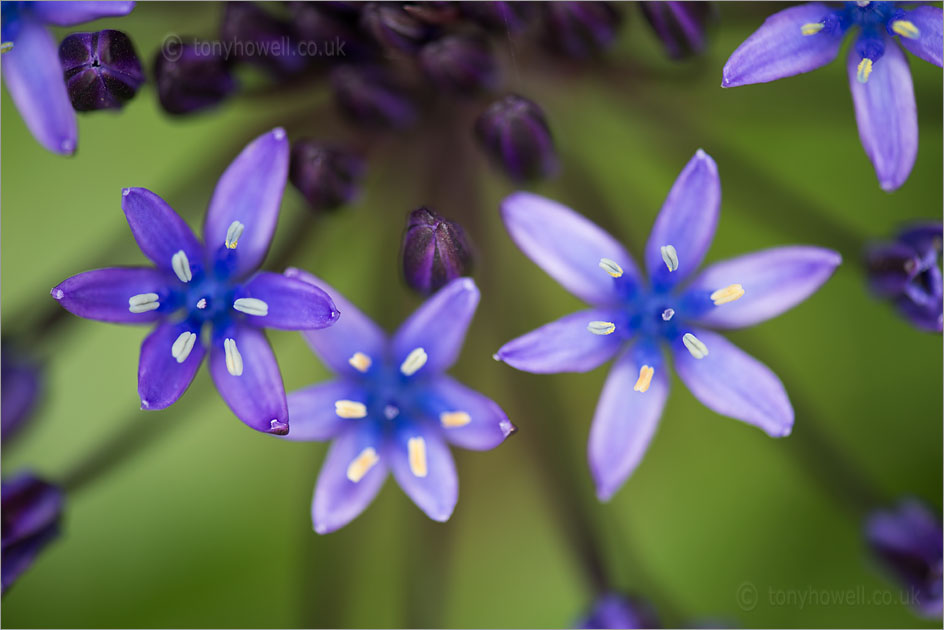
362 464
906 29
350 409
453 419
6 47
360 362
417 449
601 328
611 267
865 69
728 294
812 28
644 380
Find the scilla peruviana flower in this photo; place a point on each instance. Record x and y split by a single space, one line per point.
805 37
632 317
391 408
31 68
213 285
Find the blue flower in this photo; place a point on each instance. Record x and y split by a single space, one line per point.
805 37
391 408
632 318
31 68
215 285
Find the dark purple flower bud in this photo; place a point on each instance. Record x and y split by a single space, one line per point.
907 541
369 95
330 32
515 135
435 13
499 16
30 520
435 251
907 271
191 77
20 385
580 30
460 63
616 611
257 37
394 28
101 69
326 176
679 25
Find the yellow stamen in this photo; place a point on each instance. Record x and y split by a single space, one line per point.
360 362
362 464
6 47
350 409
812 28
865 69
644 380
728 294
452 419
906 29
601 328
417 448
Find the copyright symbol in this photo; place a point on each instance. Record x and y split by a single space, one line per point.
746 596
172 47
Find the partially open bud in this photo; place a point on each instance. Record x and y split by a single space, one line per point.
580 30
101 69
679 25
435 251
327 177
369 95
515 135
30 520
460 63
191 77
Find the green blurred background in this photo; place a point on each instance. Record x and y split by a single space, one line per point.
206 523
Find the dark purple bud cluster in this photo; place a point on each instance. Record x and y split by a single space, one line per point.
435 251
191 77
101 69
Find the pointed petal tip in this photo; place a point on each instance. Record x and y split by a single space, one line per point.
277 427
56 292
497 356
507 428
706 159
278 133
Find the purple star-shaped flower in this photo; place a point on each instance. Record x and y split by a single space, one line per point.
31 68
633 317
805 37
391 408
216 284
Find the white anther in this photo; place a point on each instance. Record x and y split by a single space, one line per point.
182 347
668 314
362 464
143 302
202 303
669 256
360 361
233 232
611 267
453 419
234 360
417 454
350 409
251 306
413 362
181 265
695 346
601 328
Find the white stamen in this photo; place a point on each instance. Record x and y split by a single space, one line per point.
601 328
669 256
413 362
234 360
233 232
362 464
611 267
182 347
202 303
143 302
417 450
668 314
181 265
350 409
452 419
695 346
251 306
360 361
